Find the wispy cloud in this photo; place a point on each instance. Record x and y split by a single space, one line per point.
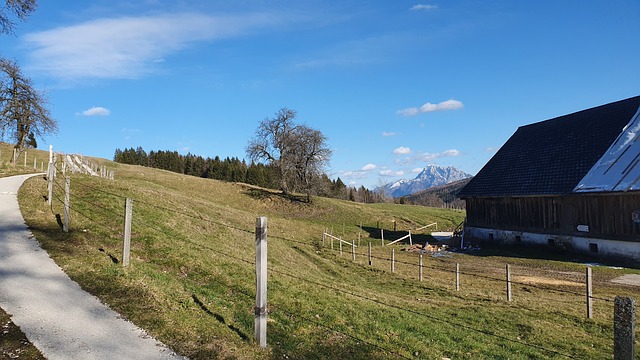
129 47
417 170
433 156
402 150
429 107
358 52
96 111
353 174
389 133
368 167
391 173
423 7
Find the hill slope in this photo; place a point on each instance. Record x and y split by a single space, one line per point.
191 282
440 196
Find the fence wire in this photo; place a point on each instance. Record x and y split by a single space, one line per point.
154 226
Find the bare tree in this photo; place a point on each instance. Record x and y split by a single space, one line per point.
298 152
310 156
20 9
23 111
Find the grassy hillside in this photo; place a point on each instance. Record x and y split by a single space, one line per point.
191 282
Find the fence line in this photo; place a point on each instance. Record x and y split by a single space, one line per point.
370 262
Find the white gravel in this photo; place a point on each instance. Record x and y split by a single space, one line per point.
57 316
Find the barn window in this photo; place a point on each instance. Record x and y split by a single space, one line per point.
593 247
518 239
551 242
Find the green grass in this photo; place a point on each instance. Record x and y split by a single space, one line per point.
191 282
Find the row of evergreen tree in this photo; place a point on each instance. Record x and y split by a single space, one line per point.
235 170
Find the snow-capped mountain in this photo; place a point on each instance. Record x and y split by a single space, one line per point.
430 176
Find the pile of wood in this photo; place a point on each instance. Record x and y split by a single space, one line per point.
426 248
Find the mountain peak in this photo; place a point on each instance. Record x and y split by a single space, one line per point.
432 175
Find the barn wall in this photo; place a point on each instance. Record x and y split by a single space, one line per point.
584 215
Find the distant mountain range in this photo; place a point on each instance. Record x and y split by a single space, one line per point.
432 175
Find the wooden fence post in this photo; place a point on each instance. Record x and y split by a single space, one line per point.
589 294
341 247
508 283
25 158
624 328
67 190
126 247
260 318
457 276
382 236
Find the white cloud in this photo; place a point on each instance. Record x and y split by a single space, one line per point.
402 150
423 7
353 174
129 47
429 107
391 173
368 167
433 156
389 133
97 111
417 170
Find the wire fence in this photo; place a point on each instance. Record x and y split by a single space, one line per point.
95 205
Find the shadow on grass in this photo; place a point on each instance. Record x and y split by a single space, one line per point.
541 252
262 194
219 317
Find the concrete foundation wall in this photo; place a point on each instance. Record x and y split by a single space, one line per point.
591 246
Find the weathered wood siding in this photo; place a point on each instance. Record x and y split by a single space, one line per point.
608 216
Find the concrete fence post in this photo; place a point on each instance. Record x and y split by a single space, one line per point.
393 260
508 283
589 293
51 173
126 247
369 253
624 328
457 276
260 319
420 268
353 251
67 190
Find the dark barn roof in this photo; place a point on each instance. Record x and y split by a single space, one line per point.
552 156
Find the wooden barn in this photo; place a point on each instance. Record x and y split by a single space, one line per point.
572 182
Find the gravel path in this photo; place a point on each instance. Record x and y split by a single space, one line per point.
57 316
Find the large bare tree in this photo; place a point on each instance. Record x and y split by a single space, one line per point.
298 152
23 109
20 9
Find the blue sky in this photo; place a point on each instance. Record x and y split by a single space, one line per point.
394 85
